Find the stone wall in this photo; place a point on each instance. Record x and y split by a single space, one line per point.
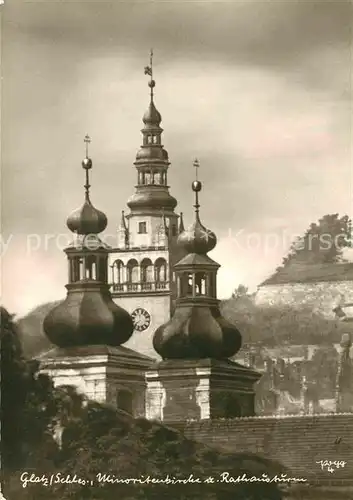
298 442
321 297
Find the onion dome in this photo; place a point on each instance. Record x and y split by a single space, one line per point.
197 238
152 116
196 333
152 199
197 328
88 316
152 153
87 219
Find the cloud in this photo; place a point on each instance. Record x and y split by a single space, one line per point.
280 35
257 90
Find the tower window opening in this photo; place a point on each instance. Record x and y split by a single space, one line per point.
132 271
146 271
142 228
150 139
155 139
160 270
81 269
76 269
190 282
200 284
102 269
118 272
90 268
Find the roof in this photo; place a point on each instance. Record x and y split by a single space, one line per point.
192 259
95 350
311 273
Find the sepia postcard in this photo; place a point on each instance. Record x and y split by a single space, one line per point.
176 250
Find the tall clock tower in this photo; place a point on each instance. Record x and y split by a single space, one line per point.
141 265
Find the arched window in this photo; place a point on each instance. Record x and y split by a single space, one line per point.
124 401
118 272
160 268
146 271
132 271
200 283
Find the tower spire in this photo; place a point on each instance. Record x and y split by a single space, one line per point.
149 72
196 186
87 165
152 162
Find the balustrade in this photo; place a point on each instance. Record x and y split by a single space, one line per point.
140 286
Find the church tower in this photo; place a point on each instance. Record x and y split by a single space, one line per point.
88 328
141 264
196 379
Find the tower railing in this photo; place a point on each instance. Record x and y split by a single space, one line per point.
142 286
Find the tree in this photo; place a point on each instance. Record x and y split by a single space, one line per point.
280 325
27 400
103 445
98 439
321 371
322 242
240 291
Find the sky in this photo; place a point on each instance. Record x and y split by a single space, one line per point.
258 91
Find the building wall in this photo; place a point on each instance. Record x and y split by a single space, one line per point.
298 442
158 307
322 297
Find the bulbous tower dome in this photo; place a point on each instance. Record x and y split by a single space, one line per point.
197 328
88 315
197 238
87 219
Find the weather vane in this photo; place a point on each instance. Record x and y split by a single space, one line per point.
149 72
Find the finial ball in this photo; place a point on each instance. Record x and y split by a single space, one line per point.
87 163
152 84
196 186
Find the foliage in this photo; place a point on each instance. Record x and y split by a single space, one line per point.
28 405
280 325
321 371
322 242
240 291
105 442
99 439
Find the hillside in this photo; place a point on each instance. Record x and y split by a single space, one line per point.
263 325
